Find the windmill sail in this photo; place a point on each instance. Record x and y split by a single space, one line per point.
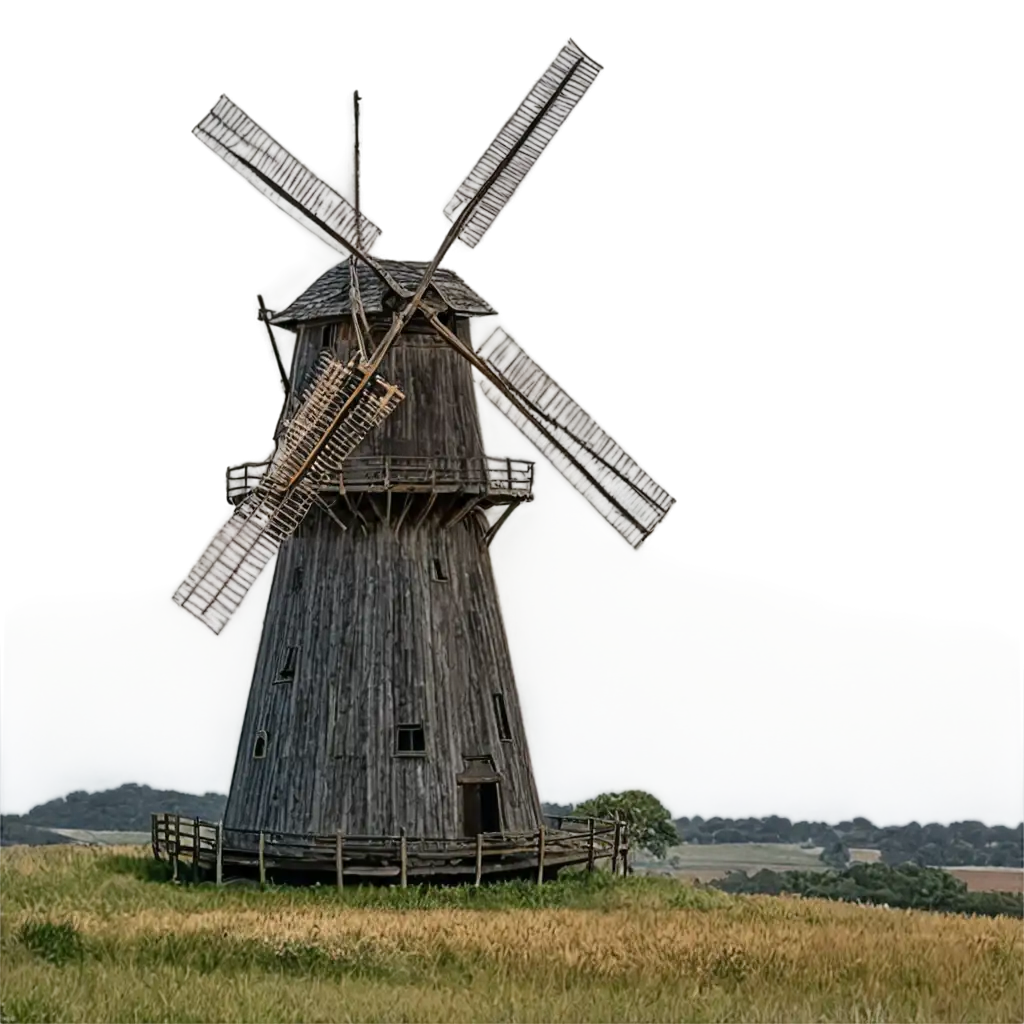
585 455
273 510
284 180
525 136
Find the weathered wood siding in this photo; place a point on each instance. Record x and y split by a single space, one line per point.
383 643
439 416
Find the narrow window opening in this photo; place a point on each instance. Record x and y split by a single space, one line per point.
287 673
298 575
259 747
327 336
440 569
501 714
411 739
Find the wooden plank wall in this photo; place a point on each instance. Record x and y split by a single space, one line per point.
383 643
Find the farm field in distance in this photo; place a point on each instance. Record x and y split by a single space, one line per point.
704 862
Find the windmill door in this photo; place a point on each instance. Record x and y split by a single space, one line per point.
481 796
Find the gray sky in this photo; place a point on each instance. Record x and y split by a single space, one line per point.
793 228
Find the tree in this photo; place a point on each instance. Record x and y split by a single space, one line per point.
648 824
835 855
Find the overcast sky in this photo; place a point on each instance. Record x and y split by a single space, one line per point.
760 678
716 686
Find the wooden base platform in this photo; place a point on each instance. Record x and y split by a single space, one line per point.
203 850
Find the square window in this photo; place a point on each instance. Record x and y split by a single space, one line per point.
410 740
439 570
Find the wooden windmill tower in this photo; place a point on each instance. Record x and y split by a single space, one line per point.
383 699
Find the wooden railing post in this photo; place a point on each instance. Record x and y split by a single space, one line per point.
479 859
153 835
220 853
195 850
339 868
590 848
615 845
403 853
263 865
540 856
177 844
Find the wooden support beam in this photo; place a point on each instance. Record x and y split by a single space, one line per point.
339 861
540 856
404 853
405 510
499 522
154 837
615 845
426 508
590 847
462 513
479 859
263 864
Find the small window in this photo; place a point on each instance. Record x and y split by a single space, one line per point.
440 570
259 747
501 714
411 739
326 336
298 576
287 673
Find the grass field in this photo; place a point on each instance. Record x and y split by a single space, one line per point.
88 935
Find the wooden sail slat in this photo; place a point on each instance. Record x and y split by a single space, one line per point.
593 462
238 140
567 79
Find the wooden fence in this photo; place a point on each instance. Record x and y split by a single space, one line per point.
207 848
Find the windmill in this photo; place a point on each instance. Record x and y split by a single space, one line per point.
383 699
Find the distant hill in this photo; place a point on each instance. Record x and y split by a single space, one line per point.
125 809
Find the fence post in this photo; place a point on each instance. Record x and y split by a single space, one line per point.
590 848
540 856
615 845
403 852
339 870
195 850
263 865
152 830
177 840
479 859
220 852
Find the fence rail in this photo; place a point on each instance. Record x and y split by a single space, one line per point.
494 477
209 847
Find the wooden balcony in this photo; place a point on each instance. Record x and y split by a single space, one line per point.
494 481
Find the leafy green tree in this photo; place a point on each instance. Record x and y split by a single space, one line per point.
648 824
835 855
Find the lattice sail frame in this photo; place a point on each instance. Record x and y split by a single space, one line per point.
273 510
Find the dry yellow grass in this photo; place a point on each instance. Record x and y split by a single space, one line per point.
644 949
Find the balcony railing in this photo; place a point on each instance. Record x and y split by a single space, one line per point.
488 476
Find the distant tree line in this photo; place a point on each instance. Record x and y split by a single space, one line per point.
962 843
905 885
128 808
